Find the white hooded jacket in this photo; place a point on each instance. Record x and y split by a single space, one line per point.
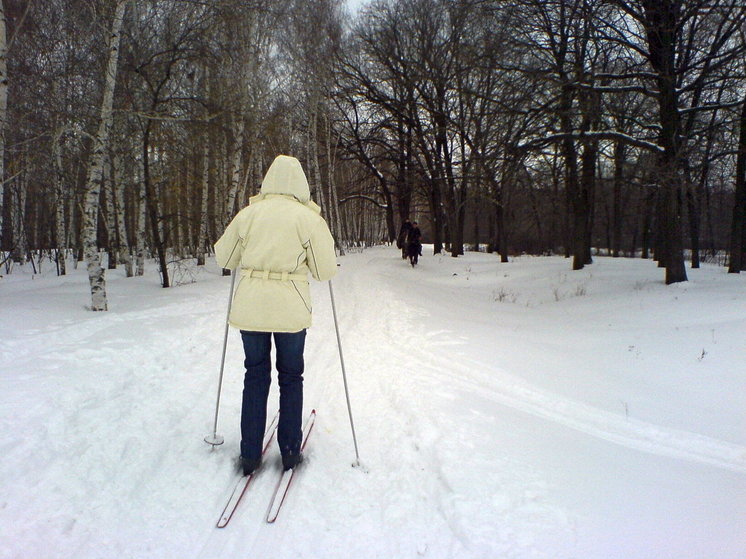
277 240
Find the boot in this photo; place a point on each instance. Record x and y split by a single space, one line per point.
291 460
249 465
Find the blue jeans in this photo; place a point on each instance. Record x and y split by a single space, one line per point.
289 360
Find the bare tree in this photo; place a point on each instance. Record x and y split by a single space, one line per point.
738 228
96 275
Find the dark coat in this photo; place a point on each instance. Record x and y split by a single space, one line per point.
403 238
414 245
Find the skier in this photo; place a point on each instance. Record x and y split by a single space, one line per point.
275 241
414 245
401 240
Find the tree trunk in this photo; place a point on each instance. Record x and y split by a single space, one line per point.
661 26
617 215
3 108
96 274
572 182
18 219
202 234
336 221
582 214
59 202
236 166
502 237
124 253
112 246
314 155
141 227
738 227
152 205
693 203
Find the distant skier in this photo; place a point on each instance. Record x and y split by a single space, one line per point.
414 244
401 240
276 241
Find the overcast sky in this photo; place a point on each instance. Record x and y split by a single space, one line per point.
355 4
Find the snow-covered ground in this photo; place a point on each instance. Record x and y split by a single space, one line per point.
515 410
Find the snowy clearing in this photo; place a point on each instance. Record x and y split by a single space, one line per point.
516 410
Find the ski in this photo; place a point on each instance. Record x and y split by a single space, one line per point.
283 485
239 490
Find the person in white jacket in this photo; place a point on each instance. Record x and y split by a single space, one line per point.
276 241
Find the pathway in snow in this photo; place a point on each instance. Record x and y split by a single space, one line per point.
437 354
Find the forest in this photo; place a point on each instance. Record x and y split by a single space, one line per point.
133 130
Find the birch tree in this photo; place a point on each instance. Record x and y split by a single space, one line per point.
59 195
123 249
205 182
96 274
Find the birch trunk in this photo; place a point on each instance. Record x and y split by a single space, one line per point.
59 215
141 227
18 219
123 251
236 164
96 274
314 146
333 200
111 233
247 178
202 234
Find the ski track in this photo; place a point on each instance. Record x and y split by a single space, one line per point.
415 434
432 500
427 501
515 393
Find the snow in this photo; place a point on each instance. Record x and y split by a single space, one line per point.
515 410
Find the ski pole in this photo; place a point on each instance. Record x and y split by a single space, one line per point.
216 439
344 374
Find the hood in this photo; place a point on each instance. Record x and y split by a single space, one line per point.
286 176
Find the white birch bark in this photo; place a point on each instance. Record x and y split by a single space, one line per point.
221 184
3 105
333 200
202 234
18 219
96 274
247 177
254 172
141 227
109 221
59 201
72 226
315 156
236 164
124 254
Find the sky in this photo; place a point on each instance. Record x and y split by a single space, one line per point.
355 5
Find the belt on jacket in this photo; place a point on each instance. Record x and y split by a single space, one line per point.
279 276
